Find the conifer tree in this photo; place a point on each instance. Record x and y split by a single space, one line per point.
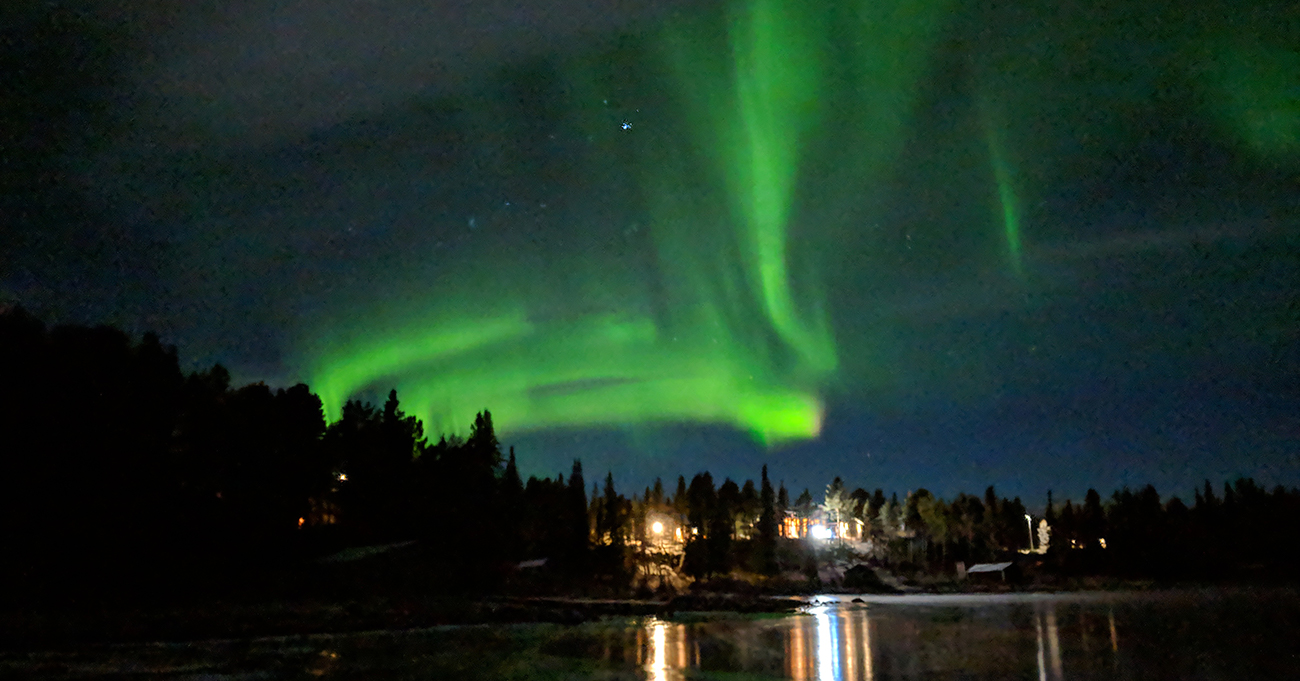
767 528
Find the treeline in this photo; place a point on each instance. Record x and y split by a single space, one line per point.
757 529
117 468
1243 531
724 528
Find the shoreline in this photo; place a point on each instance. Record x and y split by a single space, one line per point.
30 631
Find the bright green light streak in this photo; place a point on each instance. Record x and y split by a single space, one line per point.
651 387
345 370
1006 193
777 78
600 370
738 339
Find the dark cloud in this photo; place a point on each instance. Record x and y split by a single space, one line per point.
257 71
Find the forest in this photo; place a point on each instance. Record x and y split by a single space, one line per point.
121 472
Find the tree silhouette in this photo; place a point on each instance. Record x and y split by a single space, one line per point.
612 519
578 539
767 530
1092 523
269 463
512 506
681 501
722 527
701 498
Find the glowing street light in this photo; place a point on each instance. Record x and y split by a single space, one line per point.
820 532
1030 522
657 527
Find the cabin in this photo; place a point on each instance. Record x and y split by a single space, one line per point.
992 572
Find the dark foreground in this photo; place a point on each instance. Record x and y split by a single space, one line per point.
1210 634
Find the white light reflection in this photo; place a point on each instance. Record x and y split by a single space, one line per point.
1042 661
832 644
657 666
850 637
1049 652
828 644
868 668
1054 645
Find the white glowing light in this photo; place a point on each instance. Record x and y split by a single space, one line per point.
828 646
657 527
657 665
820 532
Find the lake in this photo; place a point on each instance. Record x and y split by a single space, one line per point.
1204 635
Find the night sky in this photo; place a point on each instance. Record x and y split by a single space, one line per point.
1036 244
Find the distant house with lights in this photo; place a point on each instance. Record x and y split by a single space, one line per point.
817 526
795 527
660 546
664 533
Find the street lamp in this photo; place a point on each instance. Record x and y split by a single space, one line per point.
1030 522
657 527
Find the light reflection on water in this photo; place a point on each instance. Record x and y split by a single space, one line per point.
667 655
1211 635
833 639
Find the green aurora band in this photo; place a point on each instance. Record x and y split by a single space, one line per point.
776 86
1007 199
746 340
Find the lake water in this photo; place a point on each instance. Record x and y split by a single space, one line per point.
1204 635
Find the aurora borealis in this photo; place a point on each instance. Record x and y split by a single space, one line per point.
707 360
904 240
744 341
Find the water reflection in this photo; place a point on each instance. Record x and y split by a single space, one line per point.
1114 639
1038 628
830 643
1054 643
835 640
796 653
828 649
1213 636
666 658
1045 620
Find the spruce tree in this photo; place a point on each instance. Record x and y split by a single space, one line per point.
576 518
767 528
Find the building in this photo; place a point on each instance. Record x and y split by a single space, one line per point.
818 527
